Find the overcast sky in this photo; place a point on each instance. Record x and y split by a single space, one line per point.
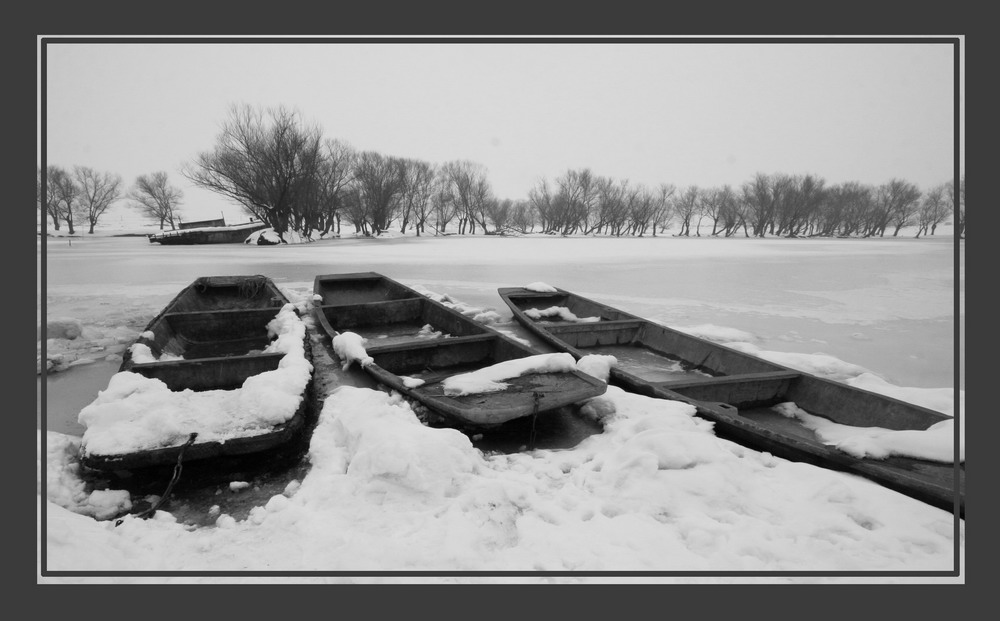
680 113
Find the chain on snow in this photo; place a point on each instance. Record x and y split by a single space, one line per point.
166 494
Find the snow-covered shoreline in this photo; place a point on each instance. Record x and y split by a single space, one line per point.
656 491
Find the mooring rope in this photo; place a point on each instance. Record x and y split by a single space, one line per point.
251 288
166 494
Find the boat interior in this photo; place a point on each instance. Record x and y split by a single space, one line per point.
654 358
202 347
407 333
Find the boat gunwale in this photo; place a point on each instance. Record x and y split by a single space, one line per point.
277 436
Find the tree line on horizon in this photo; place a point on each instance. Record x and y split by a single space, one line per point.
288 175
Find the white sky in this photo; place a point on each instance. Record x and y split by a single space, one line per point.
686 114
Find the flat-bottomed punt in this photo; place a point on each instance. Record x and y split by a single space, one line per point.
738 391
216 234
418 345
212 336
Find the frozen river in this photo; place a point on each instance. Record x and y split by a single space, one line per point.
887 305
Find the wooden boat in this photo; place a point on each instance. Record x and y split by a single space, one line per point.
737 391
412 339
213 234
212 336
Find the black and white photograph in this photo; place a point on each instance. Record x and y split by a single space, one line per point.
501 309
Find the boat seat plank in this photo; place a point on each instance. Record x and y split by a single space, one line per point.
563 327
268 311
351 305
727 379
430 343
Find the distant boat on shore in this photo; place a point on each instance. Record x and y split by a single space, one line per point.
208 232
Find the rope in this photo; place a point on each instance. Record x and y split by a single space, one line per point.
251 288
166 494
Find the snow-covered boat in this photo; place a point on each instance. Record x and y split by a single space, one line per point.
216 234
452 364
755 402
223 370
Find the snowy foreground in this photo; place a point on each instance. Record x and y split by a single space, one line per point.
657 491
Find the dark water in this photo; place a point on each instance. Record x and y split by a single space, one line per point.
559 429
67 392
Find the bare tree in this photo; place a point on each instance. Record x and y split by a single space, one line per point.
97 192
156 198
355 209
62 196
523 217
576 200
540 199
334 174
418 179
758 203
846 210
685 207
895 203
380 181
730 212
471 190
46 195
797 203
265 161
934 208
612 204
501 213
663 212
711 207
442 203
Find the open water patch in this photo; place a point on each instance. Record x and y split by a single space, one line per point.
67 392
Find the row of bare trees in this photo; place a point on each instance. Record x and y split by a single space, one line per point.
76 197
81 195
581 203
779 205
287 174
